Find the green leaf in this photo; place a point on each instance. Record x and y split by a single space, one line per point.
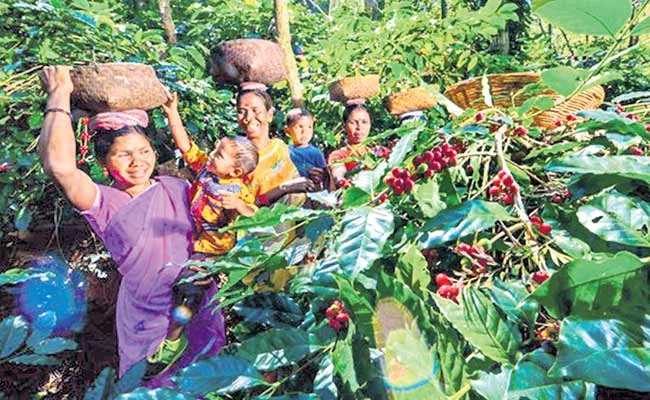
276 310
529 381
564 80
587 287
53 346
276 348
403 147
13 331
412 269
132 378
41 328
22 219
272 216
324 385
509 296
103 387
344 364
221 374
153 394
482 324
17 275
633 167
607 352
617 218
427 196
450 348
642 27
34 359
586 17
493 386
612 122
468 218
365 231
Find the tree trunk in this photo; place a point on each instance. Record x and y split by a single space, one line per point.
443 9
502 41
284 39
165 10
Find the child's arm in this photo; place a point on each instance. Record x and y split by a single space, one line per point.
181 139
232 201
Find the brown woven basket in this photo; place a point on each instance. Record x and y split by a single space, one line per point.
248 60
410 100
358 87
469 94
116 86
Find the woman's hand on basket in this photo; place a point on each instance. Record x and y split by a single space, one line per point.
57 79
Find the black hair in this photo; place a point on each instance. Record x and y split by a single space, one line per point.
295 114
268 102
353 107
104 139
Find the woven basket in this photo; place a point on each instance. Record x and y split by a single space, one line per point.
248 60
410 100
469 94
116 86
358 87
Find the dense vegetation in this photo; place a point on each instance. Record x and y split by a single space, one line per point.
517 269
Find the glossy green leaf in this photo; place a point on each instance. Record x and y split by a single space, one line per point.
468 218
343 360
482 324
13 276
493 386
153 394
642 28
617 218
427 196
609 352
612 122
34 359
450 347
276 348
403 147
13 331
509 297
41 328
587 287
221 374
529 380
365 231
273 309
272 216
586 17
53 346
103 387
324 385
564 80
132 378
632 167
412 269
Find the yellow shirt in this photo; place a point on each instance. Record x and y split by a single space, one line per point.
206 208
273 168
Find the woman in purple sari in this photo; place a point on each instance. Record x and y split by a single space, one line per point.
144 223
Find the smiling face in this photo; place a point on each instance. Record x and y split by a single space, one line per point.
253 117
130 160
357 126
301 131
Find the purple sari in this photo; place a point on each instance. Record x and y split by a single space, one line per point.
149 237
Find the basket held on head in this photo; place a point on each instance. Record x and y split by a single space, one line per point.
248 60
358 87
116 86
416 99
503 87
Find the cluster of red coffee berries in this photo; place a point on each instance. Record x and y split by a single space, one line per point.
400 181
561 197
344 183
542 226
520 131
382 151
569 118
636 151
503 188
446 288
84 138
475 256
437 159
337 315
380 199
540 276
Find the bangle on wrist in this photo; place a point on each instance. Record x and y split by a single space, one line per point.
59 110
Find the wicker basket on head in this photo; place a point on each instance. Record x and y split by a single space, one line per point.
248 60
358 87
410 100
116 86
469 94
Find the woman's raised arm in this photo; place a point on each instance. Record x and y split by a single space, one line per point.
57 142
